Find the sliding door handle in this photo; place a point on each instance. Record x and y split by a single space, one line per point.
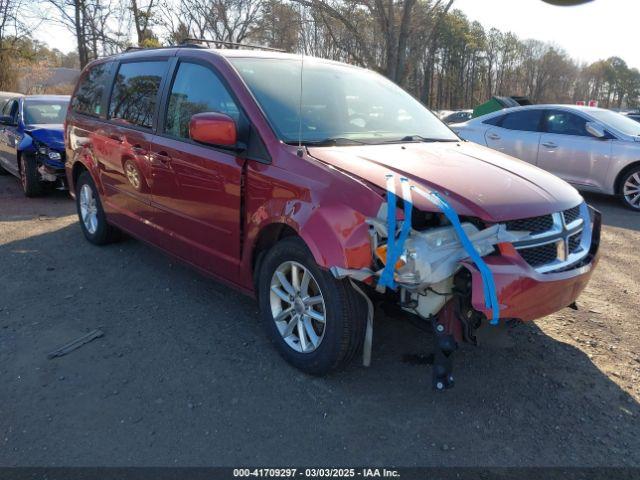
162 158
138 150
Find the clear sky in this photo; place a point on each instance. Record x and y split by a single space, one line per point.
596 30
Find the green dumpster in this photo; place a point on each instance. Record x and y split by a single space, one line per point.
498 103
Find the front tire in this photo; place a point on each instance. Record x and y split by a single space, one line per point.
630 189
315 321
29 177
93 220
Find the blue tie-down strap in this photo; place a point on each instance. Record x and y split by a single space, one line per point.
488 283
395 247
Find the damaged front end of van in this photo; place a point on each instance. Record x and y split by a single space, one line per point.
458 271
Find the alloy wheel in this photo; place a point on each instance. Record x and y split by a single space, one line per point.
298 307
631 190
88 209
133 175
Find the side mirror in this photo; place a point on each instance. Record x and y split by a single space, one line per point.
596 130
6 120
213 128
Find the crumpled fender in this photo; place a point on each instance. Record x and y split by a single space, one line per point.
338 236
325 207
26 143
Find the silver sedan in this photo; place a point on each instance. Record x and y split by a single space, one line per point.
592 148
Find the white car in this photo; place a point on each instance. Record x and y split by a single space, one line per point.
592 148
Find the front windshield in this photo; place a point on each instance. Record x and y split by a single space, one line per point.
340 103
621 123
45 111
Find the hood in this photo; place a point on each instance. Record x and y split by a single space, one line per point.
478 181
52 135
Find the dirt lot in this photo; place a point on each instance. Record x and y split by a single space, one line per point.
185 376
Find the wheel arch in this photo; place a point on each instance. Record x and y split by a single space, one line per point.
83 161
76 171
266 239
617 185
335 236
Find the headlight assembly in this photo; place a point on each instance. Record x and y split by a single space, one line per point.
45 151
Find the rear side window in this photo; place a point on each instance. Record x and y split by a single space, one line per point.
566 123
135 92
524 120
497 120
89 95
196 89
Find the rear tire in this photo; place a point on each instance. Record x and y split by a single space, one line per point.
93 220
309 295
630 189
29 177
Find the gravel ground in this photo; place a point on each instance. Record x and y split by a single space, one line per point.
185 376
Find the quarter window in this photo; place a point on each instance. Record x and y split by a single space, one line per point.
196 89
497 120
89 95
524 120
566 123
135 92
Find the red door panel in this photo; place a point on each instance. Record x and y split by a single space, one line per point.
123 160
196 193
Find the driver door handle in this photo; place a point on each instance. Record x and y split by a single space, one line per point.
494 136
549 145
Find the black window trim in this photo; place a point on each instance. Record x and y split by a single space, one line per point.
111 85
164 106
499 118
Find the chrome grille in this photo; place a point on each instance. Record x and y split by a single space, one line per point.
571 215
555 241
533 224
574 242
537 256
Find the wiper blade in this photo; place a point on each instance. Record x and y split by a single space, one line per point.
420 138
331 141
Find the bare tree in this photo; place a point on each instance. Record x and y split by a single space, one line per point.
142 17
12 29
89 21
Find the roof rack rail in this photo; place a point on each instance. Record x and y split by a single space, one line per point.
193 42
131 49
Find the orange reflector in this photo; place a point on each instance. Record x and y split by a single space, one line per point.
507 249
381 252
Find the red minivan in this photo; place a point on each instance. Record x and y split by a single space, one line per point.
318 187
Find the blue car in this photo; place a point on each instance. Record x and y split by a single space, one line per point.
32 141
